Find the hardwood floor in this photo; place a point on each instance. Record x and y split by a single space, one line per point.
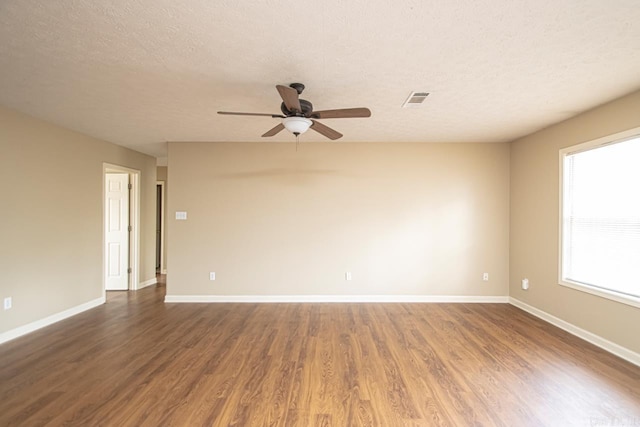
139 362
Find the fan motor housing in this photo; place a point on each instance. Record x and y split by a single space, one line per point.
307 108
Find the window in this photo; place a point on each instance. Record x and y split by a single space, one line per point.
600 217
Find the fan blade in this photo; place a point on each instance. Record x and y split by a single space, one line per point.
325 130
274 131
232 113
340 114
290 97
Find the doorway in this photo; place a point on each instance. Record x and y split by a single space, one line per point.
121 227
160 202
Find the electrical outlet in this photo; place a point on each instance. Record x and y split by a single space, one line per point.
212 275
347 275
525 284
8 303
485 277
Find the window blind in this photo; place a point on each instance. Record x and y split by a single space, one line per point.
601 217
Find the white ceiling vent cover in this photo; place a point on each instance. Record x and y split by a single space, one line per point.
415 99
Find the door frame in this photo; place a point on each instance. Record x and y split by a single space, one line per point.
162 185
134 221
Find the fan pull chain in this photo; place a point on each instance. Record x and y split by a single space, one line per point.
297 141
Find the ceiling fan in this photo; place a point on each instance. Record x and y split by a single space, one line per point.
298 115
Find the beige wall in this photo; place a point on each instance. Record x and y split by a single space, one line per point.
51 219
534 224
405 219
163 175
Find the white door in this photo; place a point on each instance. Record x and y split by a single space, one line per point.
117 231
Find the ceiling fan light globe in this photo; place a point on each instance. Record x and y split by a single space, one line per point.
296 125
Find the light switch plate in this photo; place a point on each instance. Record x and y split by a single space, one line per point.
181 215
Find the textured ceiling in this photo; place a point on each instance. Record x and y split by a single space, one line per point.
140 73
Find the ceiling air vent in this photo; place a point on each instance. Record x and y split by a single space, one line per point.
415 99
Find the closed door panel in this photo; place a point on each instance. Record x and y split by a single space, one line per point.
117 231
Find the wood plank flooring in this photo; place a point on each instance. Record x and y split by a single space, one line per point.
139 362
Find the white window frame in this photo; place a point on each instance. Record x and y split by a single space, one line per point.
586 146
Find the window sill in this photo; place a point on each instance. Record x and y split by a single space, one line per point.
603 293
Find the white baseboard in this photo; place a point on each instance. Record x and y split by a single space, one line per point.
164 271
335 298
147 283
594 339
50 320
